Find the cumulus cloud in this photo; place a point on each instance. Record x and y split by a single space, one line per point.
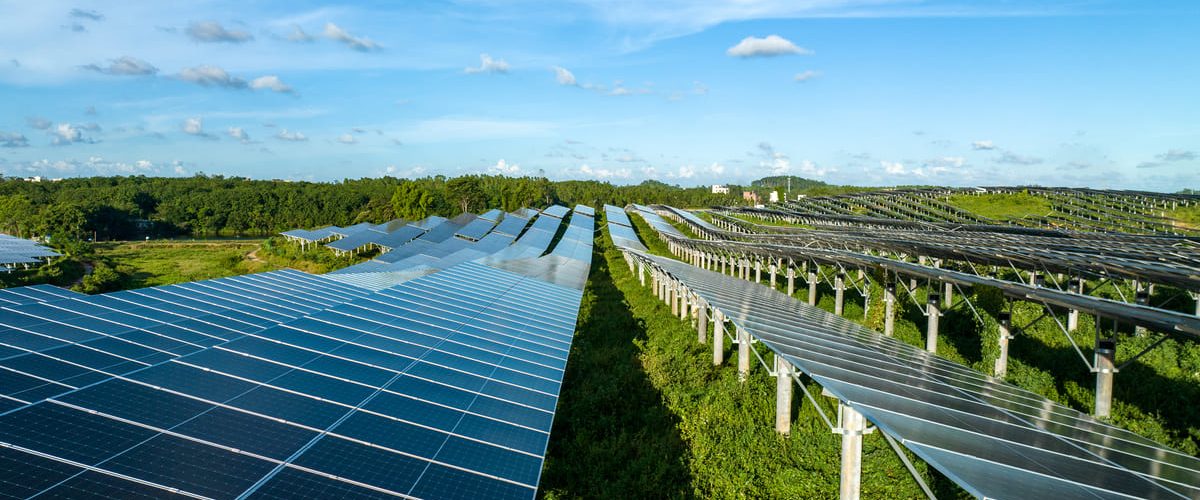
564 76
123 66
806 75
272 83
13 140
213 32
284 135
38 122
504 168
605 173
66 134
211 76
195 126
716 169
893 167
239 134
361 44
772 45
1015 159
489 65
983 145
347 139
90 15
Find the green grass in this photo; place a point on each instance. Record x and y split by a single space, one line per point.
154 263
1186 217
645 414
1001 207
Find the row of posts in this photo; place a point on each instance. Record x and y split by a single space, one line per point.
1105 346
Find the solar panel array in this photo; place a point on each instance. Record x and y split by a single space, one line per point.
287 385
18 251
620 229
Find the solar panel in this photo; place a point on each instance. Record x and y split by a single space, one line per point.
557 211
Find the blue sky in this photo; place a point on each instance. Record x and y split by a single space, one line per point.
869 92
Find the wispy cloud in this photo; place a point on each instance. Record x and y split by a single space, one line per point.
272 83
13 140
806 75
285 135
772 45
347 139
1170 157
213 32
983 145
123 66
361 44
299 35
211 76
1011 158
38 122
489 65
90 15
239 134
564 76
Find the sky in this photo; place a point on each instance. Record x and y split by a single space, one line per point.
867 92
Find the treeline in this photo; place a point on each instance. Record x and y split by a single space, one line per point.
124 208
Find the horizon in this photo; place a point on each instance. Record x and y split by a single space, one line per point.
846 92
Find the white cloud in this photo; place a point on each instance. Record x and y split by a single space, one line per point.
716 169
504 168
347 139
209 76
239 134
605 173
893 167
1171 156
564 76
772 45
489 65
13 140
361 44
213 32
38 122
272 83
683 172
298 35
284 135
1015 159
806 75
90 15
983 145
195 126
66 134
123 66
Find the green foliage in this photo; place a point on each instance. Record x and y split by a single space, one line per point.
1002 206
1188 217
102 279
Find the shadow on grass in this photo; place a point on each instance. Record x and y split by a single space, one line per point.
613 437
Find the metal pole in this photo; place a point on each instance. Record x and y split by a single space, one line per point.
743 355
783 395
1005 320
1143 299
852 426
718 337
931 333
889 308
1076 285
773 270
839 293
1106 350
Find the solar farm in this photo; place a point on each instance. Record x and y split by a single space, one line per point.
438 368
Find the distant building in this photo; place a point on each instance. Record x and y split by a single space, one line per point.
720 189
750 196
773 197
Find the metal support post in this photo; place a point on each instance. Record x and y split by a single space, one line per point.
1106 352
773 270
1142 299
931 333
1076 285
791 275
812 287
852 426
948 294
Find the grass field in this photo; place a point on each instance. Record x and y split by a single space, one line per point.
154 263
1001 207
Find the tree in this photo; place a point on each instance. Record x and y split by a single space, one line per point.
466 192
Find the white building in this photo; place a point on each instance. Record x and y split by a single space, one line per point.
720 189
773 197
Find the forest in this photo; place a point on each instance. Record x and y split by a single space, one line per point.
127 208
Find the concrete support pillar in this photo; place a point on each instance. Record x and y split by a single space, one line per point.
746 269
684 307
723 264
701 321
672 297
773 271
783 395
931 333
718 337
791 275
852 425
889 308
812 286
641 273
948 294
1142 299
839 293
1106 352
1076 285
1005 320
743 355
